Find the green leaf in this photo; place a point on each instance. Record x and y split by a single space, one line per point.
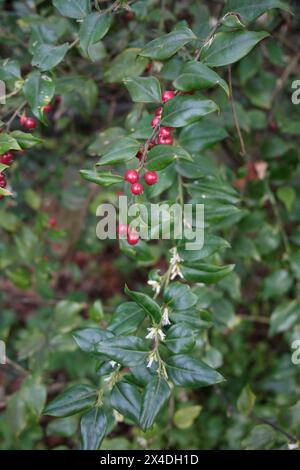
181 338
148 305
186 371
32 198
186 109
4 192
7 142
211 245
251 11
246 401
276 284
287 195
284 317
127 350
88 338
73 8
93 28
201 135
120 152
179 296
38 90
261 437
126 319
228 47
206 273
46 56
155 395
10 70
197 76
143 89
165 46
213 190
126 399
72 401
103 178
185 417
26 140
126 64
161 156
93 426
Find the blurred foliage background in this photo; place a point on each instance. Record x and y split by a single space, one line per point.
57 276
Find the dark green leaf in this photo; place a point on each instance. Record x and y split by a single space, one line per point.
181 338
228 47
197 76
179 296
46 56
127 350
72 401
251 11
120 152
186 109
186 371
161 156
126 399
38 90
73 8
8 143
165 46
126 318
155 395
26 140
201 135
93 426
102 178
206 273
93 28
143 89
149 306
89 338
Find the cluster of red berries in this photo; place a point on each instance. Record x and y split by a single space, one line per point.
164 137
132 236
29 123
5 159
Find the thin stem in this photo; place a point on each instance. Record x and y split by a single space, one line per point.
14 115
278 218
235 116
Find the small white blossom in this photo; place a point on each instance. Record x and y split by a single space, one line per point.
155 333
165 317
151 334
113 364
155 286
175 264
151 358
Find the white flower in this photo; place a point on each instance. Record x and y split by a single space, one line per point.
155 286
165 317
151 334
175 264
155 333
151 358
113 364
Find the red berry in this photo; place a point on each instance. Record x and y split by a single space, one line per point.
129 15
133 237
167 95
3 182
139 155
52 222
158 111
23 120
48 108
30 123
165 132
136 188
122 230
6 158
164 140
155 121
150 177
131 176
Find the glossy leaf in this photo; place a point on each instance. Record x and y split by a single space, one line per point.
179 296
165 46
88 338
207 273
228 47
93 28
121 151
46 56
251 11
93 426
143 89
72 401
155 395
186 371
38 90
126 399
148 305
102 178
197 76
72 8
127 350
161 156
185 109
126 319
